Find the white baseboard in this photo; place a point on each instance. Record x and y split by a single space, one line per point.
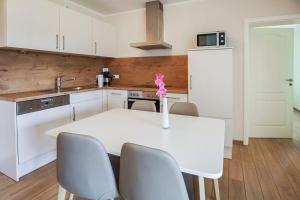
36 163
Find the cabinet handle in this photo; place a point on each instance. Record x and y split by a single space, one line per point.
96 48
119 94
191 86
124 104
175 98
74 114
56 41
64 42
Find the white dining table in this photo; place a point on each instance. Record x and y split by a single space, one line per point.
196 143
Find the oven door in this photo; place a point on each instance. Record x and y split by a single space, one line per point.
156 102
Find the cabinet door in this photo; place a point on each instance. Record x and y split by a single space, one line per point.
104 38
32 24
76 32
86 109
32 141
116 99
173 98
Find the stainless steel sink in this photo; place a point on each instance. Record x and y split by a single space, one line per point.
70 89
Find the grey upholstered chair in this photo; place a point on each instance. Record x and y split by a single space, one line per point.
150 174
182 108
83 167
144 106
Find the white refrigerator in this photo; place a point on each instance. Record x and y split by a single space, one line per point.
211 86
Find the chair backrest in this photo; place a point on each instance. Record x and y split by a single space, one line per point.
83 167
148 174
183 108
144 106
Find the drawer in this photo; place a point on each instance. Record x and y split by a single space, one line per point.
120 93
85 96
177 97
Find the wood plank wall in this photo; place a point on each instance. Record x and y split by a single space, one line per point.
21 72
141 70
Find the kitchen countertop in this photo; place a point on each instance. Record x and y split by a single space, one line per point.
25 96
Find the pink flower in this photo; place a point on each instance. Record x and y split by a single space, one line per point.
159 82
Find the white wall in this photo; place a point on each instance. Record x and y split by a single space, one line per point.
297 69
184 21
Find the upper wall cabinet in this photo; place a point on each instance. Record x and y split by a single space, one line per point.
76 32
44 25
104 38
30 24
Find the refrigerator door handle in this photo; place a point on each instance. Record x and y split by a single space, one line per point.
191 82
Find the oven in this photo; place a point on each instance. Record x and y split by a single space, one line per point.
134 96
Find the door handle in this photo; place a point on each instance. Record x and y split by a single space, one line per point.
95 48
289 80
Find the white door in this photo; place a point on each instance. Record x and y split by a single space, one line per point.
104 37
33 24
86 109
271 63
76 32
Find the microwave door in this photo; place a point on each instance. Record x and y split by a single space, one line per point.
208 40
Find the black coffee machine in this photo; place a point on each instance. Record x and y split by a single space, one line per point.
107 78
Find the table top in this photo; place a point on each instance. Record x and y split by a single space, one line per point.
196 143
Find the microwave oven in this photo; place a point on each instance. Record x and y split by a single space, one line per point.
212 39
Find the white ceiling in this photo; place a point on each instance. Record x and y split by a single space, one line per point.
107 7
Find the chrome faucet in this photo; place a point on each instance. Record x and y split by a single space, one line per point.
60 80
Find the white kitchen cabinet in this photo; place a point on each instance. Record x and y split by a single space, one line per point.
173 98
44 25
31 128
29 24
117 99
75 32
86 104
104 39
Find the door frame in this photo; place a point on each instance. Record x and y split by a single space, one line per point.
247 87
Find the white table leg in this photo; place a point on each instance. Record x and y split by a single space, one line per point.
61 193
202 188
217 190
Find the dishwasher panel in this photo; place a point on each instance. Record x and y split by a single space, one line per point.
32 141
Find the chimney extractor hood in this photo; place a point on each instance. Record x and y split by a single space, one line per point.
154 28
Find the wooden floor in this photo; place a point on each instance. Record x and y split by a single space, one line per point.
266 169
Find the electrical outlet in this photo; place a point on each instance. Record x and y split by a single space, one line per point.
116 76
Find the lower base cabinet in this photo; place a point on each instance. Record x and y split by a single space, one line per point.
173 98
86 104
117 99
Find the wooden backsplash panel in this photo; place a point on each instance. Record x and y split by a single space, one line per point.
141 70
21 72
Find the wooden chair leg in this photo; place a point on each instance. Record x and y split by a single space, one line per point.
217 190
61 193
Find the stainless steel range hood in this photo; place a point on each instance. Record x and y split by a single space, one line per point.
154 28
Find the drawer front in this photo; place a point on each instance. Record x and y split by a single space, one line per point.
32 141
118 93
177 97
85 96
